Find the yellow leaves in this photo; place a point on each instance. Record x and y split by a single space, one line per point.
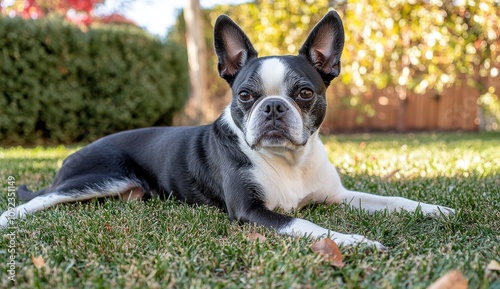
433 37
451 280
330 252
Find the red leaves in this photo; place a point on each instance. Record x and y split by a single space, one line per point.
107 227
330 252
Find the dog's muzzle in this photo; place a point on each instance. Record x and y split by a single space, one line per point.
274 123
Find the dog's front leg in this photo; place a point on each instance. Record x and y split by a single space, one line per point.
372 203
303 227
244 205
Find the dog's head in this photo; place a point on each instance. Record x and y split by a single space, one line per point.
279 101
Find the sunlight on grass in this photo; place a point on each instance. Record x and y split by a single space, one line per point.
37 152
166 244
406 159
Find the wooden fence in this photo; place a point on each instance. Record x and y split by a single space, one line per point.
455 109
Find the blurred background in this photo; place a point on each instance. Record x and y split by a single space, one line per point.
75 70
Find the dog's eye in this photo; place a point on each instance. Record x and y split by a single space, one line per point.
245 96
306 94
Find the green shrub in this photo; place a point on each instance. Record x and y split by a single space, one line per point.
60 84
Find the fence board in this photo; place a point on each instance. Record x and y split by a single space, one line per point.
454 109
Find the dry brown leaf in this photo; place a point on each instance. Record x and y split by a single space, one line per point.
493 266
330 252
451 280
38 262
256 236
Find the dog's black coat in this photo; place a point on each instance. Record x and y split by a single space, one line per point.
194 164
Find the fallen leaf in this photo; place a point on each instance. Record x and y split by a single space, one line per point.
390 175
330 252
451 280
256 236
493 266
38 262
107 227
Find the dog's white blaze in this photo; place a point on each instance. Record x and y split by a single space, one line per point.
272 73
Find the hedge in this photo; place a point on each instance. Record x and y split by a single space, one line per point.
60 84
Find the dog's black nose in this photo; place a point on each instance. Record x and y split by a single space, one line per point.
274 108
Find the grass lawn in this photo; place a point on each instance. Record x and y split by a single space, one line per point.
162 244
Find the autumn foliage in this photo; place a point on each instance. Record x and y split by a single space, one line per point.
80 12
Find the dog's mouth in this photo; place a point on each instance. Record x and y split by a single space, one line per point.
276 134
275 138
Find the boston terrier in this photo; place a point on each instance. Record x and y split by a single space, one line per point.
262 153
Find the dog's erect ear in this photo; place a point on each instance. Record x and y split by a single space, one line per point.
232 46
323 47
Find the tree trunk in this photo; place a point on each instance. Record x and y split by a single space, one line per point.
197 110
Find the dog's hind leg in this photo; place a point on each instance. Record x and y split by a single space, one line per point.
24 194
80 191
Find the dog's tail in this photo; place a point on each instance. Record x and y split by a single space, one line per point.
24 194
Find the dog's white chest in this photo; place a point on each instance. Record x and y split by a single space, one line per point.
290 184
283 188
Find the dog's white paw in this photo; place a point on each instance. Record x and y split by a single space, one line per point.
437 210
356 240
4 220
8 216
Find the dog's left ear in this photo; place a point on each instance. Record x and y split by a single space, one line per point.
232 46
323 47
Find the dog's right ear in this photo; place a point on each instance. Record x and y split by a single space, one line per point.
323 47
232 46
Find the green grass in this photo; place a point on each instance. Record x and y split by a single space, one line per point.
162 244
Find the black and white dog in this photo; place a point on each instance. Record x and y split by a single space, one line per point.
262 153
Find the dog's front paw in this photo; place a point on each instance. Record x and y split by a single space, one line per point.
356 240
437 210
